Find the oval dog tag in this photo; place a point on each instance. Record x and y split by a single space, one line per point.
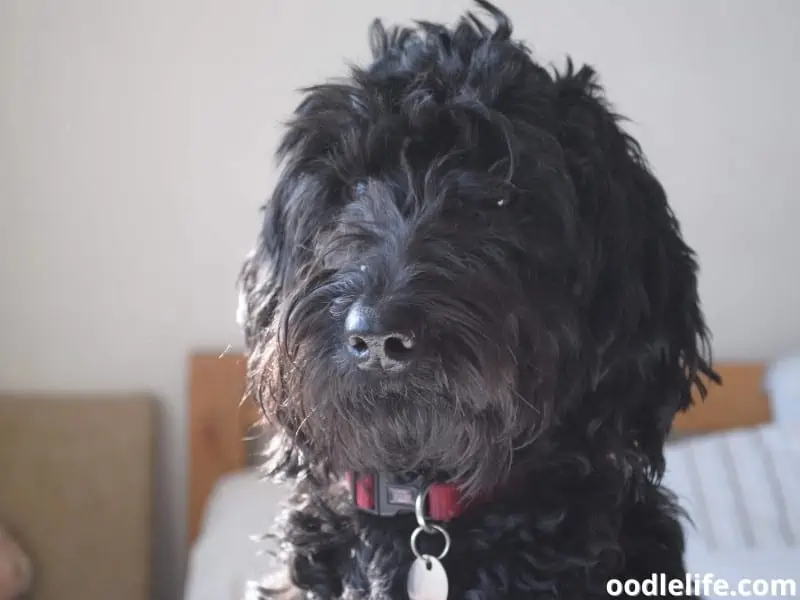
427 579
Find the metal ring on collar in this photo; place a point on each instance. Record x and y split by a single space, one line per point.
419 511
434 529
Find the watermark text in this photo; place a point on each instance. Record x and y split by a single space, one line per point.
694 584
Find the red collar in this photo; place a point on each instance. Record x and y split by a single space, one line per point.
384 496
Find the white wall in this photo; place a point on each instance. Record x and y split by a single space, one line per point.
136 141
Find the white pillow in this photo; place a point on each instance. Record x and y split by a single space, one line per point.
782 384
226 556
742 493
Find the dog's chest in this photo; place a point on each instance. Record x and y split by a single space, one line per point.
503 564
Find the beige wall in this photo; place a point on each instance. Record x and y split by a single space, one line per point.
135 143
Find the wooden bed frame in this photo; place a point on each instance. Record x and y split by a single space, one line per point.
219 420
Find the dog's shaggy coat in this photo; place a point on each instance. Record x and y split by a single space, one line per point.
497 212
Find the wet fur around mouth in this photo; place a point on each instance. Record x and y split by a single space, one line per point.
499 210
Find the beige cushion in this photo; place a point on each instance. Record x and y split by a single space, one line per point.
76 490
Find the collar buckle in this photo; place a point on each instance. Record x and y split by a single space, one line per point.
383 495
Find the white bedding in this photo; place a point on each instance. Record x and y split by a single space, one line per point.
228 552
740 488
742 492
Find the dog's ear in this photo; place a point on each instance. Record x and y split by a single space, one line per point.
268 277
640 281
261 280
281 250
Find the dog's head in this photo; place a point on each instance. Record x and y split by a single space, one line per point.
466 261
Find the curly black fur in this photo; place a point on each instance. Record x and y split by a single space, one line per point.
499 210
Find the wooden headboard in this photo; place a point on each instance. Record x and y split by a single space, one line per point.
219 420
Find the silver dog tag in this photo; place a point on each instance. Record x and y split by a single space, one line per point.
427 579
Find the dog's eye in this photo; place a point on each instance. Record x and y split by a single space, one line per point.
496 203
354 190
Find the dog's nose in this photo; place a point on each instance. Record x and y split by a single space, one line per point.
373 345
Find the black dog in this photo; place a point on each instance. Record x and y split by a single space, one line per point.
471 301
